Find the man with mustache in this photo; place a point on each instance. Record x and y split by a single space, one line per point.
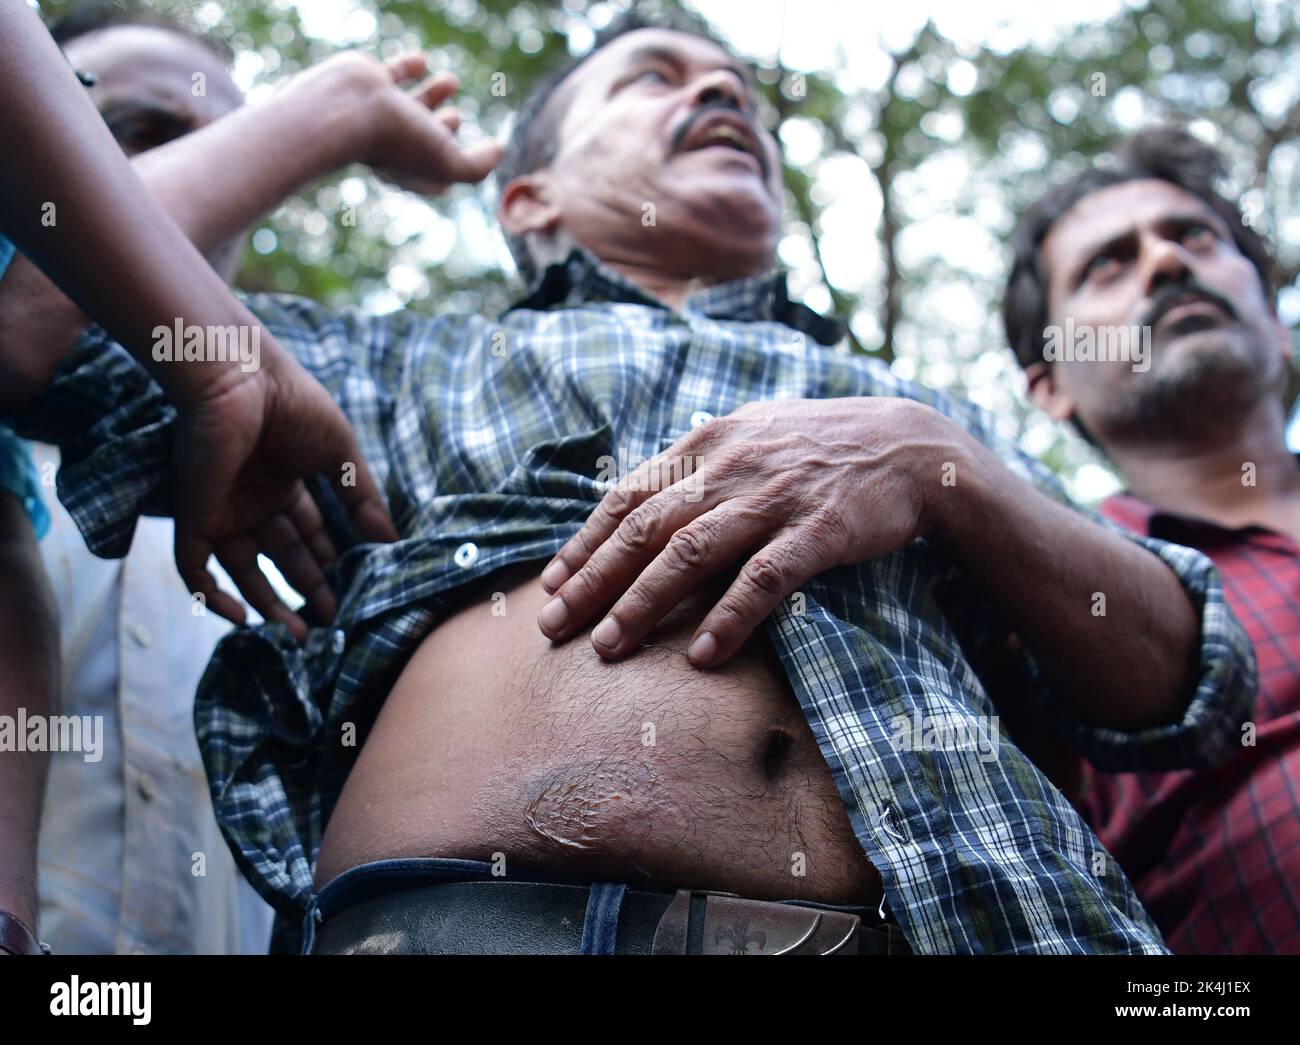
1199 440
463 763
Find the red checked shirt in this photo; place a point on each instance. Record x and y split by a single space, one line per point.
1215 854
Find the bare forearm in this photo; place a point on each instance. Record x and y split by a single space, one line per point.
40 324
216 182
1108 622
80 212
28 681
213 184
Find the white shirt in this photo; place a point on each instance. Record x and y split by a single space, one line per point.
130 857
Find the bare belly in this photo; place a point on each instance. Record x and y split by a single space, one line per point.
649 771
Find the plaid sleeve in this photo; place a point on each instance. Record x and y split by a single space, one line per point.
115 427
114 430
1209 730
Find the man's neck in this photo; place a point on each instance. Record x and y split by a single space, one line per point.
667 281
1233 475
650 275
671 289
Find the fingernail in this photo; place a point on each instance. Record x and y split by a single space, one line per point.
607 632
554 575
553 615
703 649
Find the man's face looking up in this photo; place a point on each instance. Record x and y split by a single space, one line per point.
1146 253
661 162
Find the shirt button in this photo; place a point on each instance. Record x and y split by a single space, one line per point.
146 787
700 417
890 825
338 640
466 555
141 634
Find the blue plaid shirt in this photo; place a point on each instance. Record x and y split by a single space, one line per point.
485 437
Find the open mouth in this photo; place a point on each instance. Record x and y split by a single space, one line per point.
1189 314
723 130
726 137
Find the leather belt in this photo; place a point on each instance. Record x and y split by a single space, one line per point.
519 917
16 938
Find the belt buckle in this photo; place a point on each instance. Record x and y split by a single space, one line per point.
734 925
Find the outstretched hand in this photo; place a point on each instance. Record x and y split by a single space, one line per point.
243 451
409 137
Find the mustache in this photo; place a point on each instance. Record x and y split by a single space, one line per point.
1176 293
680 134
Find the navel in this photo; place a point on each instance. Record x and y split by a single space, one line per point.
776 752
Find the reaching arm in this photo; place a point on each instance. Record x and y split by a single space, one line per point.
78 210
216 182
793 488
349 109
246 439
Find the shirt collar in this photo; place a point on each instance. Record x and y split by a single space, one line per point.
1137 516
1130 512
583 278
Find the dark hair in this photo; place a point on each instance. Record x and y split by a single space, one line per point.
92 16
1167 153
533 140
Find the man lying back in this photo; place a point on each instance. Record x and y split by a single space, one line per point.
760 666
